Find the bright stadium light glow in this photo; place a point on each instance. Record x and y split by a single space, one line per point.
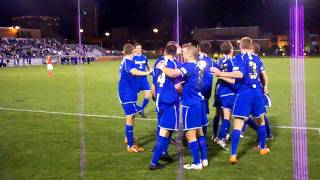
238 41
107 34
156 30
17 27
81 30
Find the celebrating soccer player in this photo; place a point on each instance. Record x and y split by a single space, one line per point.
192 109
141 63
249 98
127 89
167 99
206 87
225 92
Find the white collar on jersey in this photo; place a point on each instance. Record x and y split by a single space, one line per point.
202 55
192 61
127 57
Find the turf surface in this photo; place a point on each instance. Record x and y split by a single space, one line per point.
47 146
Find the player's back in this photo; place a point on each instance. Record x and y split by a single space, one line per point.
127 86
166 93
191 93
251 68
156 72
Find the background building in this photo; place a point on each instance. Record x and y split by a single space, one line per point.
49 26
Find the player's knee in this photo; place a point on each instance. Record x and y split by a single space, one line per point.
199 132
130 120
164 132
191 135
261 121
238 124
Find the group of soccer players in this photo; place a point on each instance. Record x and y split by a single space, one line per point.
182 80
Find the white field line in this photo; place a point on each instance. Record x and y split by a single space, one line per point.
122 117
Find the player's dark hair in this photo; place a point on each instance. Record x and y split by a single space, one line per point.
205 47
246 43
256 48
171 50
226 47
128 49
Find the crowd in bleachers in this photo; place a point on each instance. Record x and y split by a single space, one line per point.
22 51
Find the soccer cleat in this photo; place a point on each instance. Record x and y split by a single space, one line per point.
193 166
215 139
205 163
241 135
233 160
269 138
126 141
166 157
135 149
222 144
142 114
264 151
153 167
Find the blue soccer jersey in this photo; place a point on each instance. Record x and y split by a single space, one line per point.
127 86
166 92
207 75
168 98
140 62
224 93
251 67
191 74
249 99
225 65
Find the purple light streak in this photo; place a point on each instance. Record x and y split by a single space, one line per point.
178 24
298 99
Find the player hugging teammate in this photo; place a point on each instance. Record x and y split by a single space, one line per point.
184 83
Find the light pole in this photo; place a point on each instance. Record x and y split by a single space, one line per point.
178 24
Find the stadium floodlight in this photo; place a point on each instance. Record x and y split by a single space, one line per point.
81 30
238 41
156 30
107 34
17 27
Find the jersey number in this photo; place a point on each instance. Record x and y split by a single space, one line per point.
253 74
161 79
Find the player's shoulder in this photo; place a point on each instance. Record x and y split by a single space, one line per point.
158 60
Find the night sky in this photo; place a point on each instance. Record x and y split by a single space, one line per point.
271 15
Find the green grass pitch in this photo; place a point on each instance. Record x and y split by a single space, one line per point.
37 145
